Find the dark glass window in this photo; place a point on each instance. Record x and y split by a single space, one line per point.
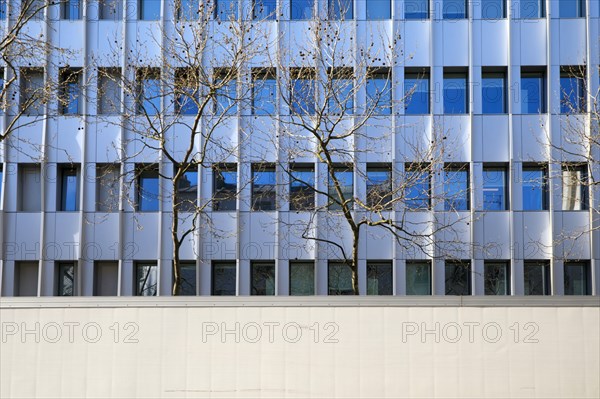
148 91
224 187
302 278
417 192
70 9
264 191
531 9
263 278
186 91
226 10
577 278
496 278
340 99
536 277
340 9
70 91
379 278
416 9
454 9
146 279
187 191
571 8
458 277
148 189
302 92
66 279
302 182
264 9
418 278
264 92
111 10
302 9
149 10
226 98
345 178
379 186
224 278
69 189
187 273
493 9
340 278
572 93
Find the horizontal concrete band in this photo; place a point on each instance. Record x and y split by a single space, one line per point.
314 301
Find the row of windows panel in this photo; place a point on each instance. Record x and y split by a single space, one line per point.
379 185
303 91
150 10
379 274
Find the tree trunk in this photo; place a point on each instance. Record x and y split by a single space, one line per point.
354 262
176 246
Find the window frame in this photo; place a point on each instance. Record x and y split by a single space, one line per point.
585 274
309 264
545 267
372 268
225 265
153 273
418 263
61 288
490 278
466 273
64 189
255 275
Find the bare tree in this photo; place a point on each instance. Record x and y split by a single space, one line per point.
173 107
329 123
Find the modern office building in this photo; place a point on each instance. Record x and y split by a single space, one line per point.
501 88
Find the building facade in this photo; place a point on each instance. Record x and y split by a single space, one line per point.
508 86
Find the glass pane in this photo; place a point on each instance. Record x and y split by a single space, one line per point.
416 194
532 9
302 278
492 9
226 97
340 9
264 96
496 279
302 195
66 279
494 189
109 91
148 192
379 187
188 10
456 190
571 95
149 10
341 98
379 94
111 9
263 189
265 9
574 189
458 278
69 191
71 9
107 188
340 279
188 278
379 279
226 10
416 91
303 97
576 278
454 9
225 188
302 9
345 180
149 101
418 278
224 279
147 279
571 8
416 9
494 93
534 189
263 279
455 93
187 191
379 9
533 98
537 278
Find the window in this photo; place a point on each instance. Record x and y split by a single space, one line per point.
107 188
186 91
34 9
379 187
187 190
226 99
416 92
416 9
226 10
533 9
380 278
302 91
68 188
537 277
379 91
147 188
417 191
66 279
3 9
264 9
224 187
496 278
302 9
111 9
302 183
30 188
456 98
149 10
458 277
224 278
109 90
456 188
577 278
535 188
26 278
493 9
264 91
32 96
571 8
302 278
340 9
187 10
264 190
533 92
493 92
574 187
263 278
339 278
379 9
572 95
106 278
146 279
418 278
345 179
454 9
70 91
70 9
148 96
187 273
495 188
340 93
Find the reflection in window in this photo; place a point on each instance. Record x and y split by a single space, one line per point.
418 186
532 9
264 92
109 90
69 191
111 9
416 93
496 278
379 9
458 277
302 278
537 277
418 278
571 8
379 187
455 93
70 9
66 279
340 94
302 183
263 187
187 10
107 188
226 10
379 91
533 92
340 9
148 94
454 9
224 187
493 9
379 278
416 9
187 191
146 279
339 278
495 188
147 188
535 188
345 180
149 10
263 278
577 278
186 91
225 92
572 94
187 274
224 278
574 187
264 9
302 91
456 188
301 9
493 92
